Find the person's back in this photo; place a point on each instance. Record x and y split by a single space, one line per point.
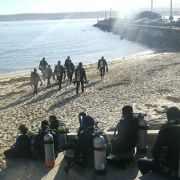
101 66
23 145
34 78
168 137
80 74
70 68
126 137
59 70
67 61
21 148
165 151
102 63
84 149
43 64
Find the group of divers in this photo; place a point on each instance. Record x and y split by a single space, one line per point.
60 72
89 151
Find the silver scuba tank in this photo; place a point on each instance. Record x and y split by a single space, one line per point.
142 134
62 136
81 121
49 150
99 154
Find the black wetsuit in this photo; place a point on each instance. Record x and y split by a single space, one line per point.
80 78
165 152
70 71
49 74
21 149
59 72
125 137
42 66
102 66
84 149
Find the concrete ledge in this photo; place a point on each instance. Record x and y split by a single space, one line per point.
115 173
152 134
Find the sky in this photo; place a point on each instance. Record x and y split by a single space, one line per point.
51 6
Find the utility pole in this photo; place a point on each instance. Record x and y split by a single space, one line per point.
171 16
110 13
151 5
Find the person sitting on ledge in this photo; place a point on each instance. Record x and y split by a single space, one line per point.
21 149
60 129
124 139
165 152
57 125
82 150
39 142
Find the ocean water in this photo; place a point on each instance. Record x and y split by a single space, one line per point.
24 43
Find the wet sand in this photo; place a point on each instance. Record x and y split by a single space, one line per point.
150 82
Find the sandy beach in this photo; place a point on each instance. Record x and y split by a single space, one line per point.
150 82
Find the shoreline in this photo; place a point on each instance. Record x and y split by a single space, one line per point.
24 71
150 82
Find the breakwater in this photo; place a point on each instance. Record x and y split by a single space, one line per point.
152 36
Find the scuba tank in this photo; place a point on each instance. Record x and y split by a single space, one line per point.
81 121
62 136
142 134
49 150
99 154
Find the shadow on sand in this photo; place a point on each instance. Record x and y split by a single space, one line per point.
30 100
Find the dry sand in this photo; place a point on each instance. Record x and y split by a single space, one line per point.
150 82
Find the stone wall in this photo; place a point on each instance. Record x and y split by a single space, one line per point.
153 36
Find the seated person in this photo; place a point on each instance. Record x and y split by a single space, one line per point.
124 138
61 130
39 142
57 125
165 152
83 149
21 149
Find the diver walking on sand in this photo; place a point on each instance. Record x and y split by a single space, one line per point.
70 70
67 62
49 74
102 66
42 67
80 77
59 72
34 80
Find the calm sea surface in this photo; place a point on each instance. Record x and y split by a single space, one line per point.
24 43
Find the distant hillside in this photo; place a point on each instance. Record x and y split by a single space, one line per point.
51 16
